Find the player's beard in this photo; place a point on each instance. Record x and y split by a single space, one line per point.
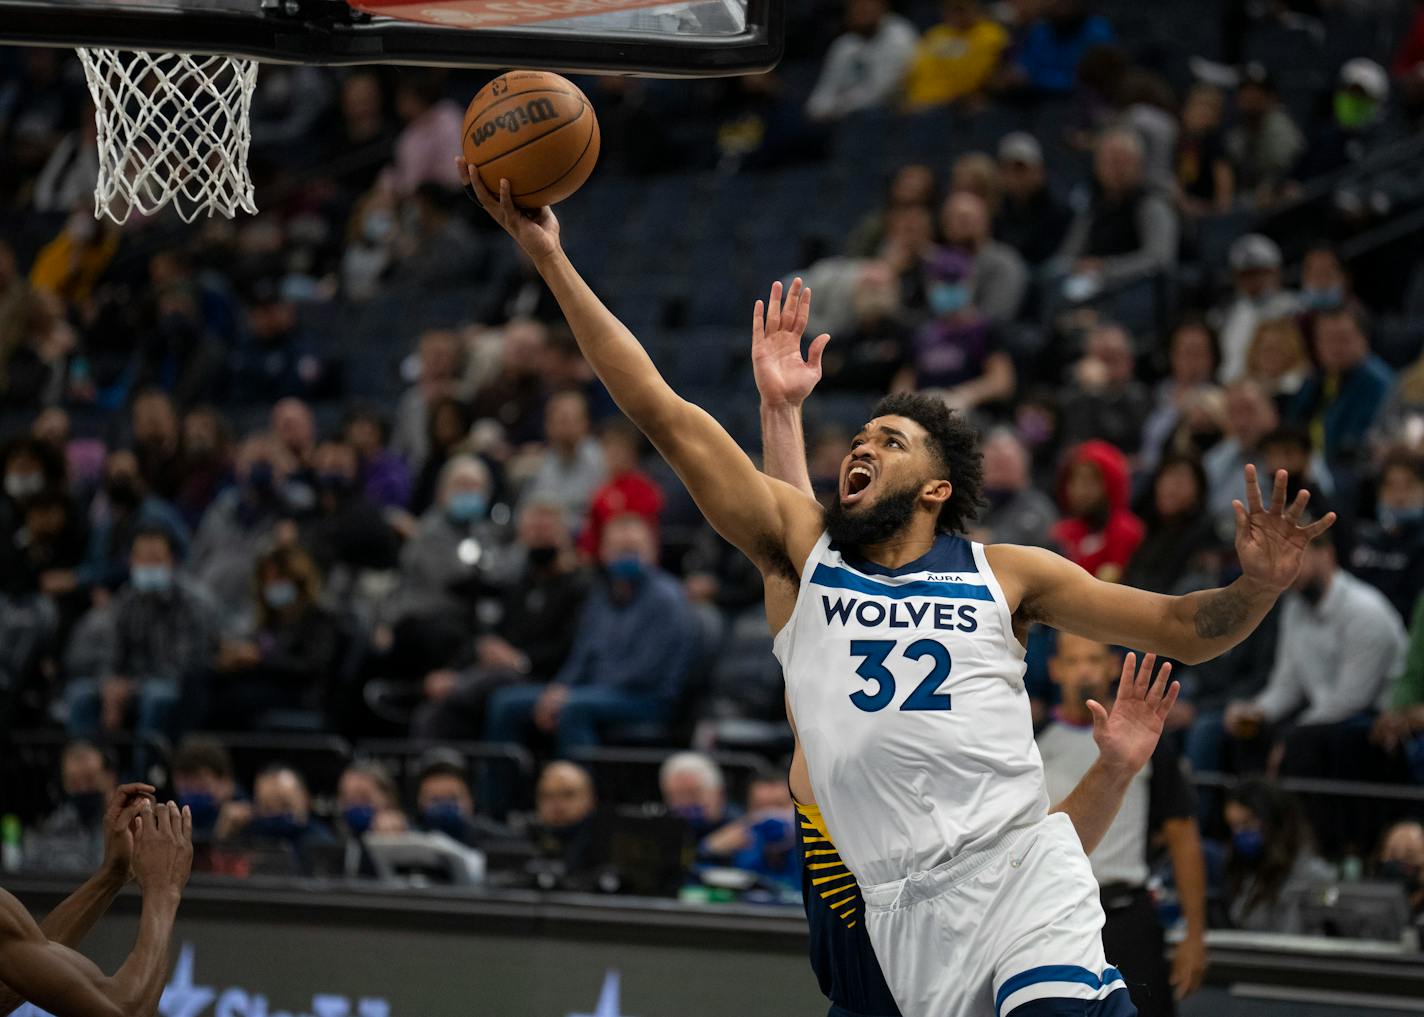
887 517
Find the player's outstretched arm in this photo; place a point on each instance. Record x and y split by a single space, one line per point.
67 984
1045 587
1126 739
763 517
784 378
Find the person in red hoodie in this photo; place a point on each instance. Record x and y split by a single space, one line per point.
627 489
1097 531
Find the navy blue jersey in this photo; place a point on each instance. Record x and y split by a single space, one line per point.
841 956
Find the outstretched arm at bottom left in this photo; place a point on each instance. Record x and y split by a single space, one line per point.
1126 739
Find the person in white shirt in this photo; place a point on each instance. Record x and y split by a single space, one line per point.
866 64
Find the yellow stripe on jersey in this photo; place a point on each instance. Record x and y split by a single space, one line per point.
834 890
823 851
844 889
826 865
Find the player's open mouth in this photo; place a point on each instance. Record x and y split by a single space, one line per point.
858 479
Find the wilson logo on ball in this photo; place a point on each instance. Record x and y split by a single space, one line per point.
534 112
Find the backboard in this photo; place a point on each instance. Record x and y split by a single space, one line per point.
692 38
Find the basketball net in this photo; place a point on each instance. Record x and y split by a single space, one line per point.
173 130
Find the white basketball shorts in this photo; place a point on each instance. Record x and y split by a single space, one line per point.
1013 929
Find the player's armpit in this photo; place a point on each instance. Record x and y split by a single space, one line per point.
51 976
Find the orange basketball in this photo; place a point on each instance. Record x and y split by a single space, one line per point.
536 130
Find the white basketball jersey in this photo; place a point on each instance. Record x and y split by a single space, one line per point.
907 690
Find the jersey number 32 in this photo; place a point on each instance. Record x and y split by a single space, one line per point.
872 668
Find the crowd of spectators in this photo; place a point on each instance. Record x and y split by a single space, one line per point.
201 530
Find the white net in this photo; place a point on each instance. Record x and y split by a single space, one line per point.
173 129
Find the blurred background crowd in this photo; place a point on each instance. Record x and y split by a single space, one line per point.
318 518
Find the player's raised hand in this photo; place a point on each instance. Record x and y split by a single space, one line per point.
1128 736
1270 540
123 808
536 230
783 376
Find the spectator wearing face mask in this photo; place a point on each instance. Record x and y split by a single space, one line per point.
763 839
694 790
1388 553
279 819
445 569
367 801
124 506
538 618
290 660
635 641
204 784
1325 283
955 352
1269 854
628 490
28 466
1097 532
347 532
237 526
1358 111
71 839
445 803
1017 512
871 349
448 436
164 646
47 555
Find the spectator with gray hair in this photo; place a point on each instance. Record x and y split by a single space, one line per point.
694 790
1017 512
450 563
1127 231
1031 219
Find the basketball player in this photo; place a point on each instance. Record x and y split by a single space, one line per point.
902 648
842 957
38 963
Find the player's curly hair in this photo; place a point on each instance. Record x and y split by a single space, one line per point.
955 443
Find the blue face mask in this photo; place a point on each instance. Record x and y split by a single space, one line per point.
466 506
151 578
628 569
280 594
203 807
283 826
1248 844
1322 300
1393 519
358 818
774 831
692 815
446 816
947 298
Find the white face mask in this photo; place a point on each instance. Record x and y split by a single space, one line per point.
23 485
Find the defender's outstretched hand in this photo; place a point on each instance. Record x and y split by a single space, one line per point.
535 230
1128 736
783 376
1269 541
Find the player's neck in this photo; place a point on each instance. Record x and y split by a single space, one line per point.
900 549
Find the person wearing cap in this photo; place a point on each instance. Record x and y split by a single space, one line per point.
1361 92
1257 296
866 63
1031 218
1265 142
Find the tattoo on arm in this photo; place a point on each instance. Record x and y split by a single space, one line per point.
1221 614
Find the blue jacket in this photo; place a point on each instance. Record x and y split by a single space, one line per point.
644 646
1051 60
1350 415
